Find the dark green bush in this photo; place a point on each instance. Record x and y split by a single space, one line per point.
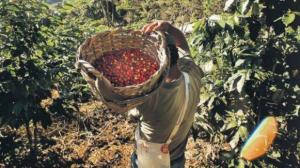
251 57
37 75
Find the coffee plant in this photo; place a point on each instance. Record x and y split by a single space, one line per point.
37 75
104 9
251 57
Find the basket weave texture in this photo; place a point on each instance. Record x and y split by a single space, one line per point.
129 96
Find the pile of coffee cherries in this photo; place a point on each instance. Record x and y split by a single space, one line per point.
126 67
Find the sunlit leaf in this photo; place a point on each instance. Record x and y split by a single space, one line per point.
229 126
208 66
241 163
229 5
240 83
204 97
235 140
239 62
288 19
246 6
243 131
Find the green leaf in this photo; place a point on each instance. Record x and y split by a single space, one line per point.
12 7
239 62
226 155
229 126
196 40
236 20
246 6
241 163
296 110
204 97
210 102
275 154
198 25
240 84
235 140
230 5
255 9
222 23
230 83
288 19
231 22
208 66
243 131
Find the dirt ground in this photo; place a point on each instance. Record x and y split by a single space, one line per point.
97 138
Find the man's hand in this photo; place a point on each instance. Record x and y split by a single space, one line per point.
163 26
166 27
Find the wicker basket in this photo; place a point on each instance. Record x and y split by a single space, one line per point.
93 48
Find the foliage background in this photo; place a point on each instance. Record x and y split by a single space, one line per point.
250 54
251 58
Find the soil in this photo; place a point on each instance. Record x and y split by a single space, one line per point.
95 138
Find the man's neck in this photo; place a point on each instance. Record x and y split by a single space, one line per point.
174 74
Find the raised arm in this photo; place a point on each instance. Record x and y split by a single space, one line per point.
166 27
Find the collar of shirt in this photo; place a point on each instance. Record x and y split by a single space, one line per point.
174 83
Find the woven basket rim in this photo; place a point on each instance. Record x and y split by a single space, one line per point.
119 31
94 47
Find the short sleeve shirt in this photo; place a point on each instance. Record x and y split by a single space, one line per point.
159 113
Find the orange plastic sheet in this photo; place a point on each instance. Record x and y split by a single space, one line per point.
261 139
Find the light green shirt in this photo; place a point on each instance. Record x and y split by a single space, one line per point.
160 111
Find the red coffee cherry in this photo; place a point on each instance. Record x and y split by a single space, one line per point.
126 67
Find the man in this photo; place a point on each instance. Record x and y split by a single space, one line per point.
166 117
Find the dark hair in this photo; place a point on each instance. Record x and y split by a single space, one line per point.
174 55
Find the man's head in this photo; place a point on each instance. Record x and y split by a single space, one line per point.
174 72
174 55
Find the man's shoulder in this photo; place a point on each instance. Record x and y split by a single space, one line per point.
187 65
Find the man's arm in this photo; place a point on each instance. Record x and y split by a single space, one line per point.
179 39
164 26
